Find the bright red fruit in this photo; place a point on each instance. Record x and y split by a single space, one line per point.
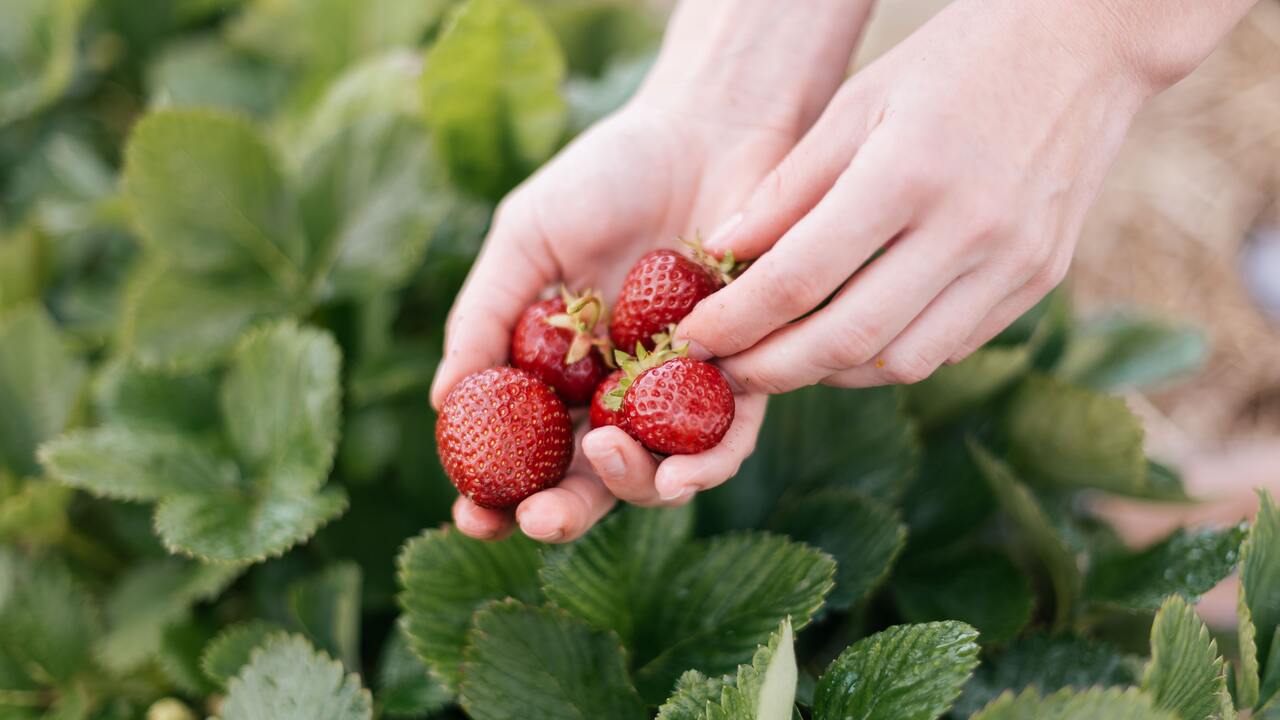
555 340
682 406
503 435
660 290
601 414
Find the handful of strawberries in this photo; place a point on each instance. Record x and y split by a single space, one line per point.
505 433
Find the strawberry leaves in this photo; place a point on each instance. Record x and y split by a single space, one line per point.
250 491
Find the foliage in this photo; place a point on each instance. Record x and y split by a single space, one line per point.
230 231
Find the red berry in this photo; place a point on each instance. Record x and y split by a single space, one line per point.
556 343
680 407
659 291
502 436
601 414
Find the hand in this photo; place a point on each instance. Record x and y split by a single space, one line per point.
968 155
736 84
627 186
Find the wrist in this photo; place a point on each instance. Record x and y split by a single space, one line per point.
760 56
1155 43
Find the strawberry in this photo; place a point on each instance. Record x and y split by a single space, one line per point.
602 415
555 340
672 404
503 435
661 289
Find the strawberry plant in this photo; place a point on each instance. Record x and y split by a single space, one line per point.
230 231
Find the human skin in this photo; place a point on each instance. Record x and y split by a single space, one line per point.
736 85
969 154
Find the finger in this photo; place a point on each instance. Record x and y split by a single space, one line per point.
512 269
800 181
932 337
813 259
1014 306
873 309
680 476
565 512
623 464
481 523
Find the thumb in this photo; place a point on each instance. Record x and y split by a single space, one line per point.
512 269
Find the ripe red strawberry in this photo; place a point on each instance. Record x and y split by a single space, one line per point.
555 340
502 436
672 404
661 289
601 414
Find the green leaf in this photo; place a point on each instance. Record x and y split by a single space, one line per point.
373 88
47 624
130 395
1259 608
1048 665
39 385
23 266
981 588
406 688
230 650
693 693
117 462
544 664
492 91
948 498
764 689
907 672
207 72
733 590
1186 676
1123 350
1026 513
181 320
370 199
1073 438
37 53
280 400
327 608
815 439
234 216
953 389
289 680
149 599
446 576
615 576
1112 704
864 536
323 36
247 527
34 513
179 658
1186 564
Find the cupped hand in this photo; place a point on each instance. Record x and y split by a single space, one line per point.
938 197
629 185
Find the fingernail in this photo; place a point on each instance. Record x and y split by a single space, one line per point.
671 491
696 351
554 536
541 528
721 233
604 457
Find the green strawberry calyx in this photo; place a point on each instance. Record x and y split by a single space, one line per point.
726 269
634 365
582 312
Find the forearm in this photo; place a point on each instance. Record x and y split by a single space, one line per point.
758 53
1158 41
